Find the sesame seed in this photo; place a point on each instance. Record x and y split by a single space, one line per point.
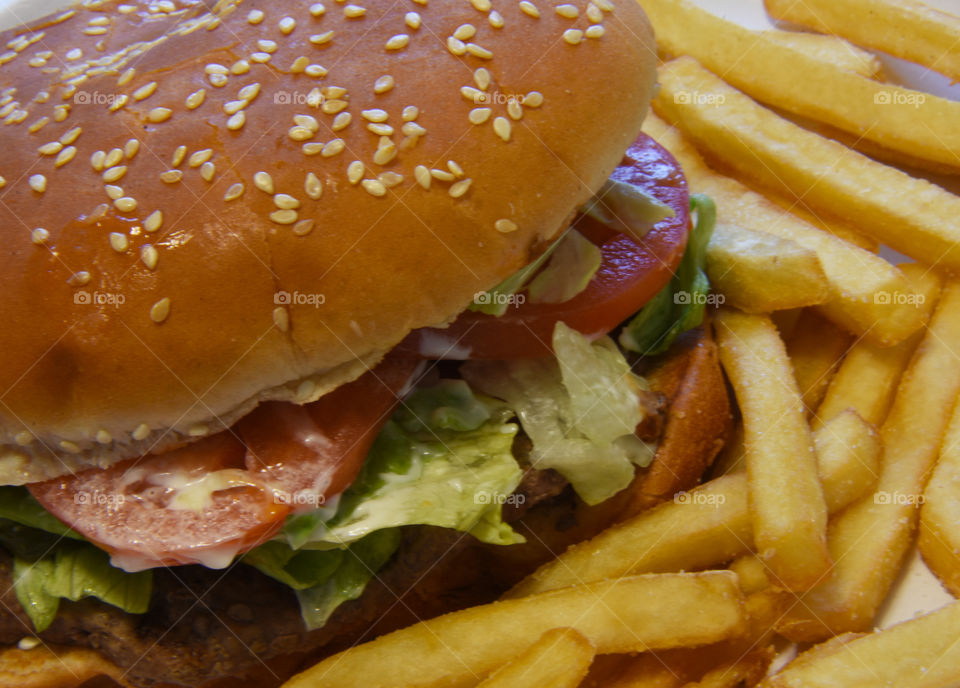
495 19
51 148
479 51
119 102
455 168
65 156
313 148
605 5
104 437
413 129
287 25
460 188
119 242
573 36
60 112
375 115
595 31
397 42
333 147
179 153
354 11
465 32
479 115
125 204
74 54
390 179
514 109
131 148
78 279
355 172
217 80
113 157
334 91
568 11
300 133
281 318
159 114
38 183
3 182
481 78
159 312
284 217
267 46
236 121
195 99
374 187
529 9
386 151
260 57
299 64
315 70
383 84
149 255
332 107
234 106
39 236
200 157
422 175
142 431
240 67
153 222
69 447
473 94
594 14
114 174
442 175
341 121
255 16
501 126
303 227
321 38
207 170
285 201
380 129
317 9
113 191
38 125
234 192
410 113
145 91
481 5
264 182
307 121
534 99
412 19
249 92
456 46
171 176
313 186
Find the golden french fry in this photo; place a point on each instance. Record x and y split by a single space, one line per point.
919 124
840 228
559 659
627 615
911 215
51 665
870 538
849 451
816 349
867 379
787 506
907 29
759 273
920 653
854 276
832 50
751 573
939 538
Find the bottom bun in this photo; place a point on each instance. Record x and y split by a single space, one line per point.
435 570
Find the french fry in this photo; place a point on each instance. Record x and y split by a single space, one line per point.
916 123
907 29
920 653
867 379
816 349
559 659
911 215
939 537
751 573
839 228
787 506
854 276
869 539
51 665
832 50
627 615
707 526
849 451
759 273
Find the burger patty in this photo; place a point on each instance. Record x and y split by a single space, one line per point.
203 624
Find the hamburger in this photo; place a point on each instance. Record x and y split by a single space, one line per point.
325 317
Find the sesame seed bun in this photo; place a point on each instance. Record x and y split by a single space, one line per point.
193 224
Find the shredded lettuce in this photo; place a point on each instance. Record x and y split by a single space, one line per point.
570 269
579 410
627 208
495 301
680 305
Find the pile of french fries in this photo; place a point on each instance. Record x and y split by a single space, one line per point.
845 367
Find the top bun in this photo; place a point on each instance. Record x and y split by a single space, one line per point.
205 209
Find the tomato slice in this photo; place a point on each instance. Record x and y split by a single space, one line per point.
211 500
632 272
313 452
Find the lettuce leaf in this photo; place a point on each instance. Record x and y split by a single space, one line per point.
680 305
579 410
627 208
